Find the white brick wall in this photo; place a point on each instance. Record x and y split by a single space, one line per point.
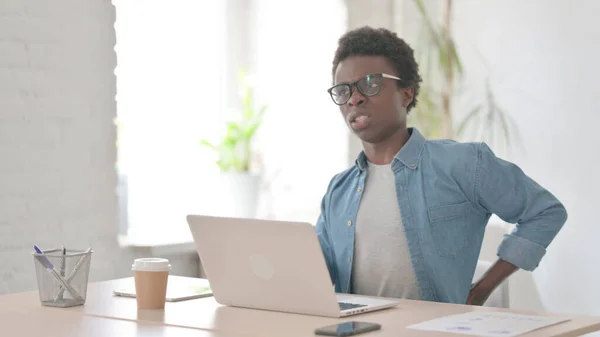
57 138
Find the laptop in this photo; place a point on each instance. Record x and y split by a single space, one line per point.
271 265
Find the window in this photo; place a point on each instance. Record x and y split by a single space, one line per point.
169 88
174 88
304 138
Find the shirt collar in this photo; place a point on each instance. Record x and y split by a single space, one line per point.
408 155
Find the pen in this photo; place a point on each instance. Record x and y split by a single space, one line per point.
73 272
62 268
62 261
44 260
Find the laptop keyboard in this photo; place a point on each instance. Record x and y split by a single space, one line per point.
346 306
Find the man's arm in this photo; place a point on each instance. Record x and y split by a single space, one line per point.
322 229
502 188
325 242
491 279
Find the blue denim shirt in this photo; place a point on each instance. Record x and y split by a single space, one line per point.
446 192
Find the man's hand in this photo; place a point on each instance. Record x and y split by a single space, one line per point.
482 289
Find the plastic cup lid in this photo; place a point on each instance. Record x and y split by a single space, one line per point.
151 264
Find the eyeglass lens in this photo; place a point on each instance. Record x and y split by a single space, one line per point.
368 86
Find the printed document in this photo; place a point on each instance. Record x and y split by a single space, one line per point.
489 323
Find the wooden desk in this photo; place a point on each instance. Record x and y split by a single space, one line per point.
46 322
205 314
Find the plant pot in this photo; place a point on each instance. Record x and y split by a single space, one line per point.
241 193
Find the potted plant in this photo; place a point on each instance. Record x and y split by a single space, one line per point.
442 70
234 151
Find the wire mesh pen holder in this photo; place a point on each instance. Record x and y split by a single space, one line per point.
62 276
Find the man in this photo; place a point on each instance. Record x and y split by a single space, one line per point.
408 219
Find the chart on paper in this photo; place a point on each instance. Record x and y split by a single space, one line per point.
488 324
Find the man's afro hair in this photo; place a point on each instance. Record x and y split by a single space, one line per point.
368 41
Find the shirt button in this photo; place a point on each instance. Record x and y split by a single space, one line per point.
349 223
359 189
349 260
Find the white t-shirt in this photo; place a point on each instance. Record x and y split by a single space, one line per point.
382 265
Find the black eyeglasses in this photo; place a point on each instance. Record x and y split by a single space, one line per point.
369 85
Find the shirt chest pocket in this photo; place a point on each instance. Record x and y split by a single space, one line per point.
449 227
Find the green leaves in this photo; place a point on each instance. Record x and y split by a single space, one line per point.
441 69
234 149
491 123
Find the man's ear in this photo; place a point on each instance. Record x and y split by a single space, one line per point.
408 95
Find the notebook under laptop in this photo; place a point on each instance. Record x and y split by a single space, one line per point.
271 265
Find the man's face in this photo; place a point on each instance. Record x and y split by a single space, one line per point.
372 118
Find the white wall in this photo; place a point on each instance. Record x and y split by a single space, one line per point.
57 138
542 57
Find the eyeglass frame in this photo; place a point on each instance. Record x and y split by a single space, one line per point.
354 84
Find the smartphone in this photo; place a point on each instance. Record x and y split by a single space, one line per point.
347 329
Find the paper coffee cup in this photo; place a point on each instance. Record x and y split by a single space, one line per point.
151 276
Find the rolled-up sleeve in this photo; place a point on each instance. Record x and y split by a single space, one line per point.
502 188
